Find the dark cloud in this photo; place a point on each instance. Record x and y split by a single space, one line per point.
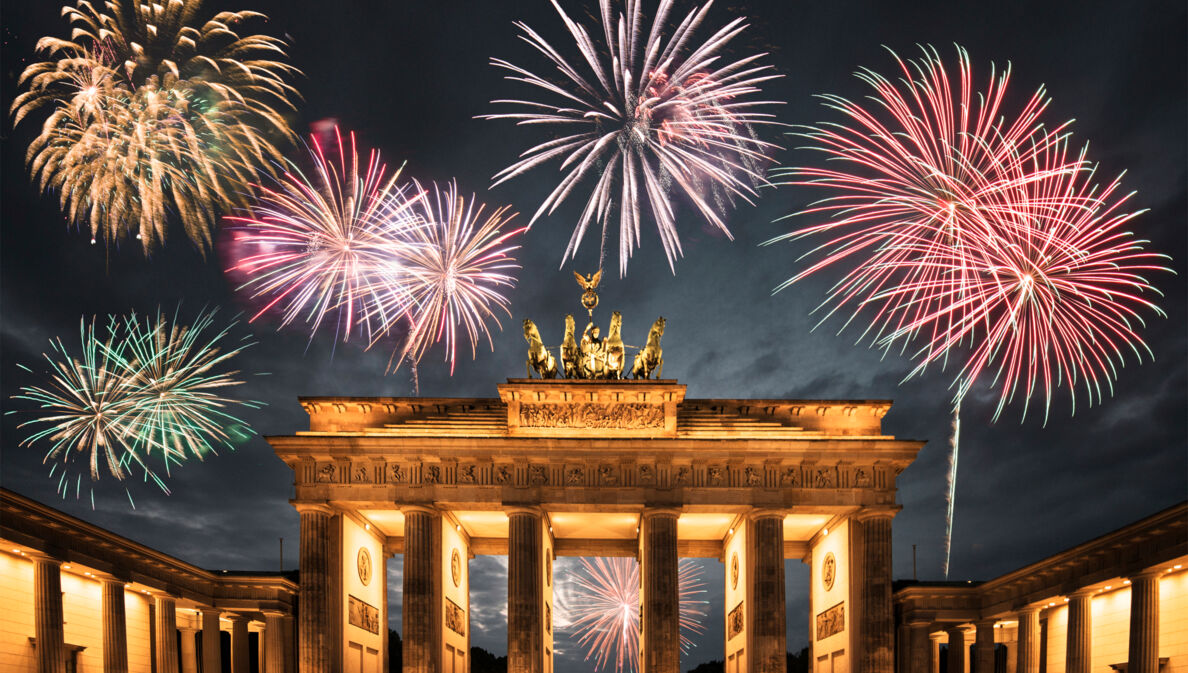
410 77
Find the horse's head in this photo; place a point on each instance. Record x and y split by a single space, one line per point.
530 331
616 324
658 326
569 325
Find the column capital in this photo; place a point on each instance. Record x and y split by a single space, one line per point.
530 510
236 617
935 635
185 628
984 623
766 513
650 512
1082 593
313 508
1033 607
1154 571
421 509
876 512
42 557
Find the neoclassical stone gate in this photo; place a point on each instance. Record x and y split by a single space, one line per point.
592 468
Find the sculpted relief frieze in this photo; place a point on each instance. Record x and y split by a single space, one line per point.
627 416
560 474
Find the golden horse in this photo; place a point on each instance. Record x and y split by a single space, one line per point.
570 354
539 357
650 357
613 349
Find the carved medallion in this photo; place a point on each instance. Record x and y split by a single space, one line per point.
647 475
455 617
363 561
466 474
326 473
790 477
548 567
395 474
503 474
714 475
828 571
683 475
456 568
432 474
574 476
548 618
537 475
826 477
751 476
862 479
734 570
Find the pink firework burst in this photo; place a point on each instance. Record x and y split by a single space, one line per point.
601 608
329 244
647 114
456 265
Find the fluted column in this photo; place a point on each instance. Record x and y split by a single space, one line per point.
1144 623
769 638
47 614
165 609
115 627
525 595
878 622
934 657
659 597
984 647
316 632
918 648
240 657
274 642
956 658
421 593
1078 656
189 650
1029 641
212 648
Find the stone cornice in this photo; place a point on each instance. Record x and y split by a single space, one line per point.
29 523
1147 544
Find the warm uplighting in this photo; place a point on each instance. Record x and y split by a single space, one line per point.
458 527
1178 566
731 531
67 567
1126 581
825 532
366 526
1053 604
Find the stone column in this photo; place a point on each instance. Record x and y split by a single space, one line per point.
934 658
273 644
289 643
659 596
212 654
240 657
318 626
1078 656
769 640
1144 623
918 648
1029 641
956 658
166 634
878 622
525 595
47 614
984 647
115 627
422 590
189 650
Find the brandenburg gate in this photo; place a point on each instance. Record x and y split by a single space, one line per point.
592 467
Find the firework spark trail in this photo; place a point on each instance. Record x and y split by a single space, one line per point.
143 393
151 115
951 481
600 607
332 243
971 233
648 110
456 264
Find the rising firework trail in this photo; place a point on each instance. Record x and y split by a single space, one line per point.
144 395
601 609
152 114
649 114
970 233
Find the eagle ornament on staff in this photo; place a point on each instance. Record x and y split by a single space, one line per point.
593 357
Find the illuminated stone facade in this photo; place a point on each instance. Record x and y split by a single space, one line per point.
594 468
1116 603
76 597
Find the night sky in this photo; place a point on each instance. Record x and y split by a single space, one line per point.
410 78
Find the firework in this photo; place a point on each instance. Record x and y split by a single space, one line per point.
144 395
331 243
970 232
602 609
646 113
151 113
457 264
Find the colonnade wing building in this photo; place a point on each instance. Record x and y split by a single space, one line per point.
593 468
